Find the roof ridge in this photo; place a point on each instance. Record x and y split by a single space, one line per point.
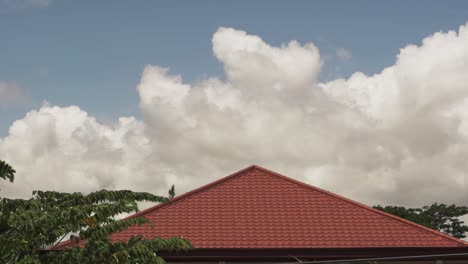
176 199
206 187
342 198
203 188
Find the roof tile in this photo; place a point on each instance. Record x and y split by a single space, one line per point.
258 208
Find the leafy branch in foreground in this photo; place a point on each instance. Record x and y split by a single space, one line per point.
31 229
6 171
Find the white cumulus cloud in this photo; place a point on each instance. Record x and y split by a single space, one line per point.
397 137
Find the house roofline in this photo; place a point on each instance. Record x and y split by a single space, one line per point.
311 254
394 217
229 177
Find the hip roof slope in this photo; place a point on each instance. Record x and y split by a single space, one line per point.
259 208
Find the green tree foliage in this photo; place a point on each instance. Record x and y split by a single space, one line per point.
6 171
440 217
31 229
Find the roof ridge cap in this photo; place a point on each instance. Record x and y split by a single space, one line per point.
195 191
363 206
244 172
176 199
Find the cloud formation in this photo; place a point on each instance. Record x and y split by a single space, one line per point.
397 137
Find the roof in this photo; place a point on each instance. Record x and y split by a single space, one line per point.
256 208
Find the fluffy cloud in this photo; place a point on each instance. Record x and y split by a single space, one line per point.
398 137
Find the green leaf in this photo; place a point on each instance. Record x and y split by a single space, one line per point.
172 192
30 228
6 171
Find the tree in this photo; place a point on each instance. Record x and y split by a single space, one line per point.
441 217
6 171
30 229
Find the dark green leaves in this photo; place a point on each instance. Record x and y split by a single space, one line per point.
6 171
29 229
172 192
440 217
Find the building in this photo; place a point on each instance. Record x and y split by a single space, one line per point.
256 215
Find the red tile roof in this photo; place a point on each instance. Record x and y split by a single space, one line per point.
258 208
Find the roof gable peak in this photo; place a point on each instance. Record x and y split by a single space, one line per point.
245 173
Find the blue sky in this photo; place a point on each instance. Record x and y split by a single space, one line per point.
91 53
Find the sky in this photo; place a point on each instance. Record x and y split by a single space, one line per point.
363 98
